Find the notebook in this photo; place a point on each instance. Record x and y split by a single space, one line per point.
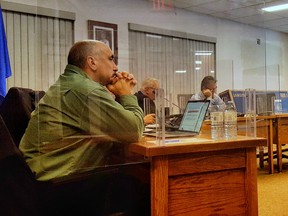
192 120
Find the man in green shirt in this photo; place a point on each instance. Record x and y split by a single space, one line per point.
89 108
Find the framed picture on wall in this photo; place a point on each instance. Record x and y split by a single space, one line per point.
105 32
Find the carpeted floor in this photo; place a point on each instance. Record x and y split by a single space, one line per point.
273 191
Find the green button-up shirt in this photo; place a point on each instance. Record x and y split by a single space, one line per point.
75 125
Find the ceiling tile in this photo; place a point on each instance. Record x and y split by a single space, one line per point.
220 5
243 11
275 23
257 18
200 10
195 2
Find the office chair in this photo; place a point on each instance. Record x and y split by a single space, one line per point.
78 194
22 195
182 100
17 183
16 109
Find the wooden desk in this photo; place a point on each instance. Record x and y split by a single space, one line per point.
264 128
203 177
280 136
274 128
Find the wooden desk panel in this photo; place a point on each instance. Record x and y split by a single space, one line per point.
208 193
264 128
219 175
198 163
203 177
280 136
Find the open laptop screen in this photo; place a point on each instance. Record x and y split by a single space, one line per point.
194 115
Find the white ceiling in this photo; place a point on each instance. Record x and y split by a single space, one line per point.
243 11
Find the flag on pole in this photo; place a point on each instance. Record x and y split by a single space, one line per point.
5 69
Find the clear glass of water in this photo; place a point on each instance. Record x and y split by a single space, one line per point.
217 121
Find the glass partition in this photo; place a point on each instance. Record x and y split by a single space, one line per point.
178 47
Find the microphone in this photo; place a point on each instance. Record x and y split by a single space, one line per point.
173 104
173 121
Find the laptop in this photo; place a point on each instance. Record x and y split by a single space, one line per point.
191 122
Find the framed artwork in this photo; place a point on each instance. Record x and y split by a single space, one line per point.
105 32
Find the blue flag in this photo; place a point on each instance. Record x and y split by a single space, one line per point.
5 69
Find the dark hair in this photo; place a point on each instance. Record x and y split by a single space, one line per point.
79 52
206 81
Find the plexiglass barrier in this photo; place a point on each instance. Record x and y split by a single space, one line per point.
180 66
160 117
250 105
68 147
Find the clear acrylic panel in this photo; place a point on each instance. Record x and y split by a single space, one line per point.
160 117
239 56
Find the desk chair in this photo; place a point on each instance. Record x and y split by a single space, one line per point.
182 100
18 194
16 109
22 195
101 191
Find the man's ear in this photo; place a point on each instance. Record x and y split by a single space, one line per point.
92 63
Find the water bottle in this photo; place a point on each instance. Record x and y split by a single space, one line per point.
230 121
216 119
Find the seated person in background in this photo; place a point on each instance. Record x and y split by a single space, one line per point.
78 121
147 90
208 91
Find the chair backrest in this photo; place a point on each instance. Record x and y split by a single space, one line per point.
16 110
182 100
18 191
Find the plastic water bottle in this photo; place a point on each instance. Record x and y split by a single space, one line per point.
216 118
230 121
